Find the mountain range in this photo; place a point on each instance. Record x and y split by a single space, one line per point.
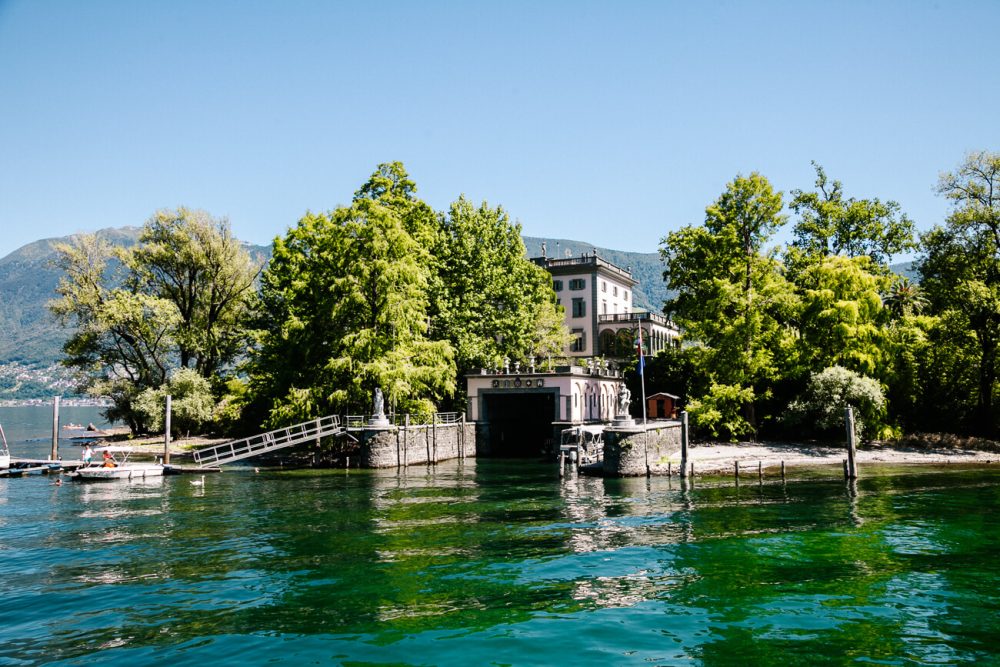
31 338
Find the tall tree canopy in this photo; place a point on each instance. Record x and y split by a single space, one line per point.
492 302
732 298
842 315
345 309
830 224
960 272
179 298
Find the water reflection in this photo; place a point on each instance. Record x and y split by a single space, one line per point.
895 567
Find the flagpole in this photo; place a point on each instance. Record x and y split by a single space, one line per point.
642 372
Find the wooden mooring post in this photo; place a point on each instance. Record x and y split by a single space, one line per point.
736 470
434 435
461 439
166 431
851 469
782 471
684 445
54 454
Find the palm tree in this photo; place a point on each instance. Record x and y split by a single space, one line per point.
905 298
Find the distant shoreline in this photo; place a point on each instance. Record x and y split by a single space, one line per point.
65 402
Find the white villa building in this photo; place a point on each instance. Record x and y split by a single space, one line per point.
521 411
597 297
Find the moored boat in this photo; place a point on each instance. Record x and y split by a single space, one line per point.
117 466
4 451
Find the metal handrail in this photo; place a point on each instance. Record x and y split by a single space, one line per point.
261 443
584 261
637 316
405 418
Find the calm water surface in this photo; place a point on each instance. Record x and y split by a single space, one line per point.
501 562
29 429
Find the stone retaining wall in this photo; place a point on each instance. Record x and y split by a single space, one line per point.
628 451
397 446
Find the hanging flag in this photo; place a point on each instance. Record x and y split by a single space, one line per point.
638 350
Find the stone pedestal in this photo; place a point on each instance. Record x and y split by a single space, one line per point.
378 421
623 421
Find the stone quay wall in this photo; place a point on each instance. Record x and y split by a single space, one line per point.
629 450
397 446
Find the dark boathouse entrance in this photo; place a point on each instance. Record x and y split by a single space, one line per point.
516 424
523 414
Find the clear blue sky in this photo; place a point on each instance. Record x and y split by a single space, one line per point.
610 122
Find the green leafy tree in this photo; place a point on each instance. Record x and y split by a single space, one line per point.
491 302
192 260
842 313
345 304
180 297
122 341
830 224
915 373
732 299
960 273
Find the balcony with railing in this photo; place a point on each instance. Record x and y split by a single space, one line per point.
636 317
584 261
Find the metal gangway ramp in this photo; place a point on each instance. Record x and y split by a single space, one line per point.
262 443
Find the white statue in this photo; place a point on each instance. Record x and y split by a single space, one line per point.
378 407
624 399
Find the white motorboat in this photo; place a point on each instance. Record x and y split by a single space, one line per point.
4 451
117 466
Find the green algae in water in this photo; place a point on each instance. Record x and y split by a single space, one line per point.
500 562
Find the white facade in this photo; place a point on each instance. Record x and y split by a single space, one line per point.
581 395
597 297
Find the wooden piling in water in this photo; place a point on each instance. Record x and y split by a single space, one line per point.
166 431
736 468
782 471
54 454
852 462
684 445
760 471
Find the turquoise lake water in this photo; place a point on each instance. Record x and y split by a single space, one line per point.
501 562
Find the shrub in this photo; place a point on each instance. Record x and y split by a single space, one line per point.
191 403
828 394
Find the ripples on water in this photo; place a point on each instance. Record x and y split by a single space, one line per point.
495 562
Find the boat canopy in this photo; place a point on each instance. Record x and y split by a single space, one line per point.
114 449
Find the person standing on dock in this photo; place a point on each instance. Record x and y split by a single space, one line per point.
87 455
